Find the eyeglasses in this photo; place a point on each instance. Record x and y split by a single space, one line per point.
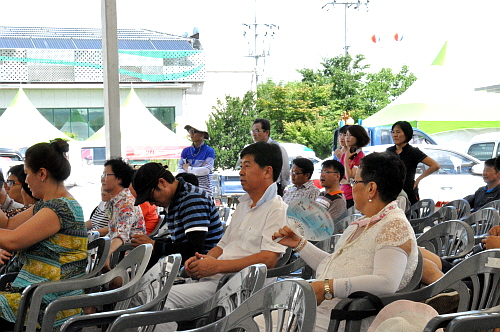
352 182
193 131
296 173
105 175
10 183
256 131
328 172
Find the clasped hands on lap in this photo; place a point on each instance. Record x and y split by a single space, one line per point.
200 266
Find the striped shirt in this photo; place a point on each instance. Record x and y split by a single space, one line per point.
99 216
192 209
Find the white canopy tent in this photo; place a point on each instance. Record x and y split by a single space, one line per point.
22 125
441 104
142 135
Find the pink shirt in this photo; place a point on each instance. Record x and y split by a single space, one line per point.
346 188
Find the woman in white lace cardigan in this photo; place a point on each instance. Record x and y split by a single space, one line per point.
376 253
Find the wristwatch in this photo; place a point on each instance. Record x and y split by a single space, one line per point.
328 292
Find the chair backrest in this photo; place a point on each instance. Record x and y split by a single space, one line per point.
493 204
154 286
422 208
161 217
98 251
98 254
483 220
443 214
449 240
340 225
477 280
348 212
417 276
329 244
130 270
293 299
234 292
462 206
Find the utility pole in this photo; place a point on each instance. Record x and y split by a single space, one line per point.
259 36
348 4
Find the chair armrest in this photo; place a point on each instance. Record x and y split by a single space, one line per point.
442 321
483 321
286 269
86 300
162 316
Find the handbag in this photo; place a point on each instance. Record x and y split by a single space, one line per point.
345 314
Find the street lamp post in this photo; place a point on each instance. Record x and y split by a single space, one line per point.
259 37
347 4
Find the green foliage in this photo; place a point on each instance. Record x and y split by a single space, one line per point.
306 112
229 125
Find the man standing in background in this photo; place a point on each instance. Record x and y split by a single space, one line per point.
261 131
198 158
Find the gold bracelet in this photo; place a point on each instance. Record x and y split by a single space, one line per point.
301 245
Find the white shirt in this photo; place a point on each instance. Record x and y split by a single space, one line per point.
251 229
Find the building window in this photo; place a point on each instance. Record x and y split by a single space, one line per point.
81 123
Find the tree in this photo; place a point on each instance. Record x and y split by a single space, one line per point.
308 112
229 125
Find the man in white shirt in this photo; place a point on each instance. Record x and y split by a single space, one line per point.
248 238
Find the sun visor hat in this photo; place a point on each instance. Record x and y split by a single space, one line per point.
200 126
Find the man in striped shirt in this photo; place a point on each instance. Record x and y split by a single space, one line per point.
192 218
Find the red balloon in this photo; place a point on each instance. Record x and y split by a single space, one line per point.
375 38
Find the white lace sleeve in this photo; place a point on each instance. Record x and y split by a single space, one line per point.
395 233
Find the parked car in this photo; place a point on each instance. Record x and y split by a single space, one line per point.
227 187
460 174
9 158
295 150
484 146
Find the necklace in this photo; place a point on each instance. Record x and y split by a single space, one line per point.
194 154
349 243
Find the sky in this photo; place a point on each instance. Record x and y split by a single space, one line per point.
309 31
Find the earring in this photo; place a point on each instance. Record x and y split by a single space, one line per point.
370 200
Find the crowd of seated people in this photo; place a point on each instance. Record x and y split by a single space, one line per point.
376 253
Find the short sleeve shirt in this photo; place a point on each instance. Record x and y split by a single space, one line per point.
125 219
410 156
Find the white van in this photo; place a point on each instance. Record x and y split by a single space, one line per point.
484 146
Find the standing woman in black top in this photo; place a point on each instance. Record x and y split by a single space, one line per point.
402 133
